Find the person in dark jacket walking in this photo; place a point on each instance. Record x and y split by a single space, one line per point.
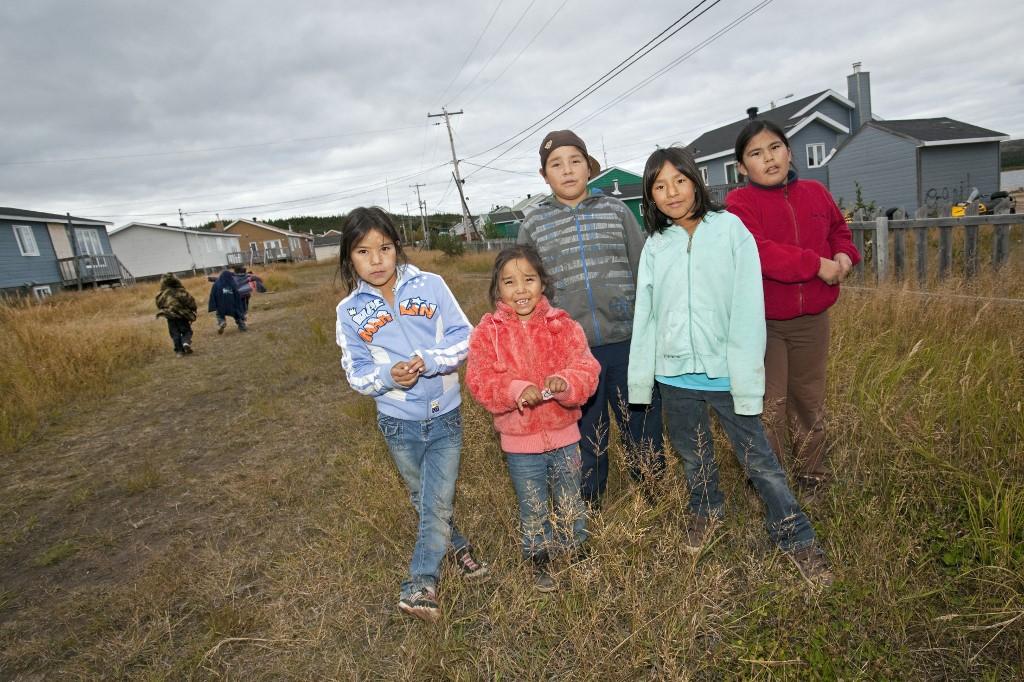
225 301
178 307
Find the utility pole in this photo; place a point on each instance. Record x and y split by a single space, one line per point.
405 235
181 219
423 219
455 162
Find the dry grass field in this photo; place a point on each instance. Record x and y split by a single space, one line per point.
235 515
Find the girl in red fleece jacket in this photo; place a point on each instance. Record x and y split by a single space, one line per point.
806 251
530 365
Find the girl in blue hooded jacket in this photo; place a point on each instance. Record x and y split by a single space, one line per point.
699 332
402 336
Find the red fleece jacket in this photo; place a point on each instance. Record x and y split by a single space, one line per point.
506 355
794 225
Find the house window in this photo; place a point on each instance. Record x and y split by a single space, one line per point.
88 243
704 174
815 154
293 244
732 174
272 244
26 240
42 292
254 249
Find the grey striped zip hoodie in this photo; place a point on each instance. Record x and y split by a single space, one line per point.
592 253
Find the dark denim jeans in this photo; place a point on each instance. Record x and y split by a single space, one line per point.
180 331
427 454
689 429
544 480
640 425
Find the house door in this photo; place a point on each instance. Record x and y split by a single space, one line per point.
254 253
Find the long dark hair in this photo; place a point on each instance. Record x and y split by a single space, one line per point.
359 223
528 254
756 127
682 161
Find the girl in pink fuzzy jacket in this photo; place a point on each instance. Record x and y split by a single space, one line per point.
531 367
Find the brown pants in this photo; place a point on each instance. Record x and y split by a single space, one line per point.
794 363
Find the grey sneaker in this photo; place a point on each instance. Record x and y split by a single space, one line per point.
421 604
813 564
543 581
468 565
698 529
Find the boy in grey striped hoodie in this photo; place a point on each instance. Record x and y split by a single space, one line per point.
590 244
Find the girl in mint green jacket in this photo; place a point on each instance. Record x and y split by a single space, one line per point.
699 332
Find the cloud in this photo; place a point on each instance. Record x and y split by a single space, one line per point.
211 107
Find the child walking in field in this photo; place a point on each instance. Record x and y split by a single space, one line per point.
806 250
530 366
177 306
402 336
591 243
699 333
226 301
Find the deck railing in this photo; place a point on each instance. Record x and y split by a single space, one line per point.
104 268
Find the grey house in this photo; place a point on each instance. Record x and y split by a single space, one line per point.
43 252
815 124
917 162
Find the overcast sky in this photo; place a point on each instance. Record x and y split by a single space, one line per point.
132 110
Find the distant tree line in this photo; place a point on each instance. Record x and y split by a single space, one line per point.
320 224
1011 154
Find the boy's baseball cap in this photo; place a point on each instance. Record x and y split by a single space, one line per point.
565 138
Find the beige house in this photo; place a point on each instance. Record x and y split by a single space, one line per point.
262 243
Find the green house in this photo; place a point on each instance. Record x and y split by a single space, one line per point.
623 185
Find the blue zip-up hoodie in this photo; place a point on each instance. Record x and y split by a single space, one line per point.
426 321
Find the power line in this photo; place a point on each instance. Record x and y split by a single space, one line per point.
497 49
536 35
638 54
177 152
503 170
471 51
674 63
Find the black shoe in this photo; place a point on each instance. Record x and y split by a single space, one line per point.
543 581
421 604
468 565
187 348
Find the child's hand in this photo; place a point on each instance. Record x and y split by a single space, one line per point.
829 271
555 384
530 396
417 365
404 376
845 265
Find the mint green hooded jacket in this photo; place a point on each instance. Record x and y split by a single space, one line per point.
700 308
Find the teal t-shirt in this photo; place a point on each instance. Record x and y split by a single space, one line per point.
695 382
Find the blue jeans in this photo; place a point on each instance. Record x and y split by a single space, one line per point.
541 479
427 455
689 429
639 425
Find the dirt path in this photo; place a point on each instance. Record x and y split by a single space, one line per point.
166 466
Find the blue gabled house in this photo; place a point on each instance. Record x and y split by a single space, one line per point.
815 124
42 253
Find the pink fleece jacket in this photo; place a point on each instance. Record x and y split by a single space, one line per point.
506 355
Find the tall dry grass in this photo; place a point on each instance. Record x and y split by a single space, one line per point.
310 533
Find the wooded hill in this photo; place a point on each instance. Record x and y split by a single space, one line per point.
320 224
1011 154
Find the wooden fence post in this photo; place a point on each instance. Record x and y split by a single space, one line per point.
971 243
881 249
921 242
899 252
1001 238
